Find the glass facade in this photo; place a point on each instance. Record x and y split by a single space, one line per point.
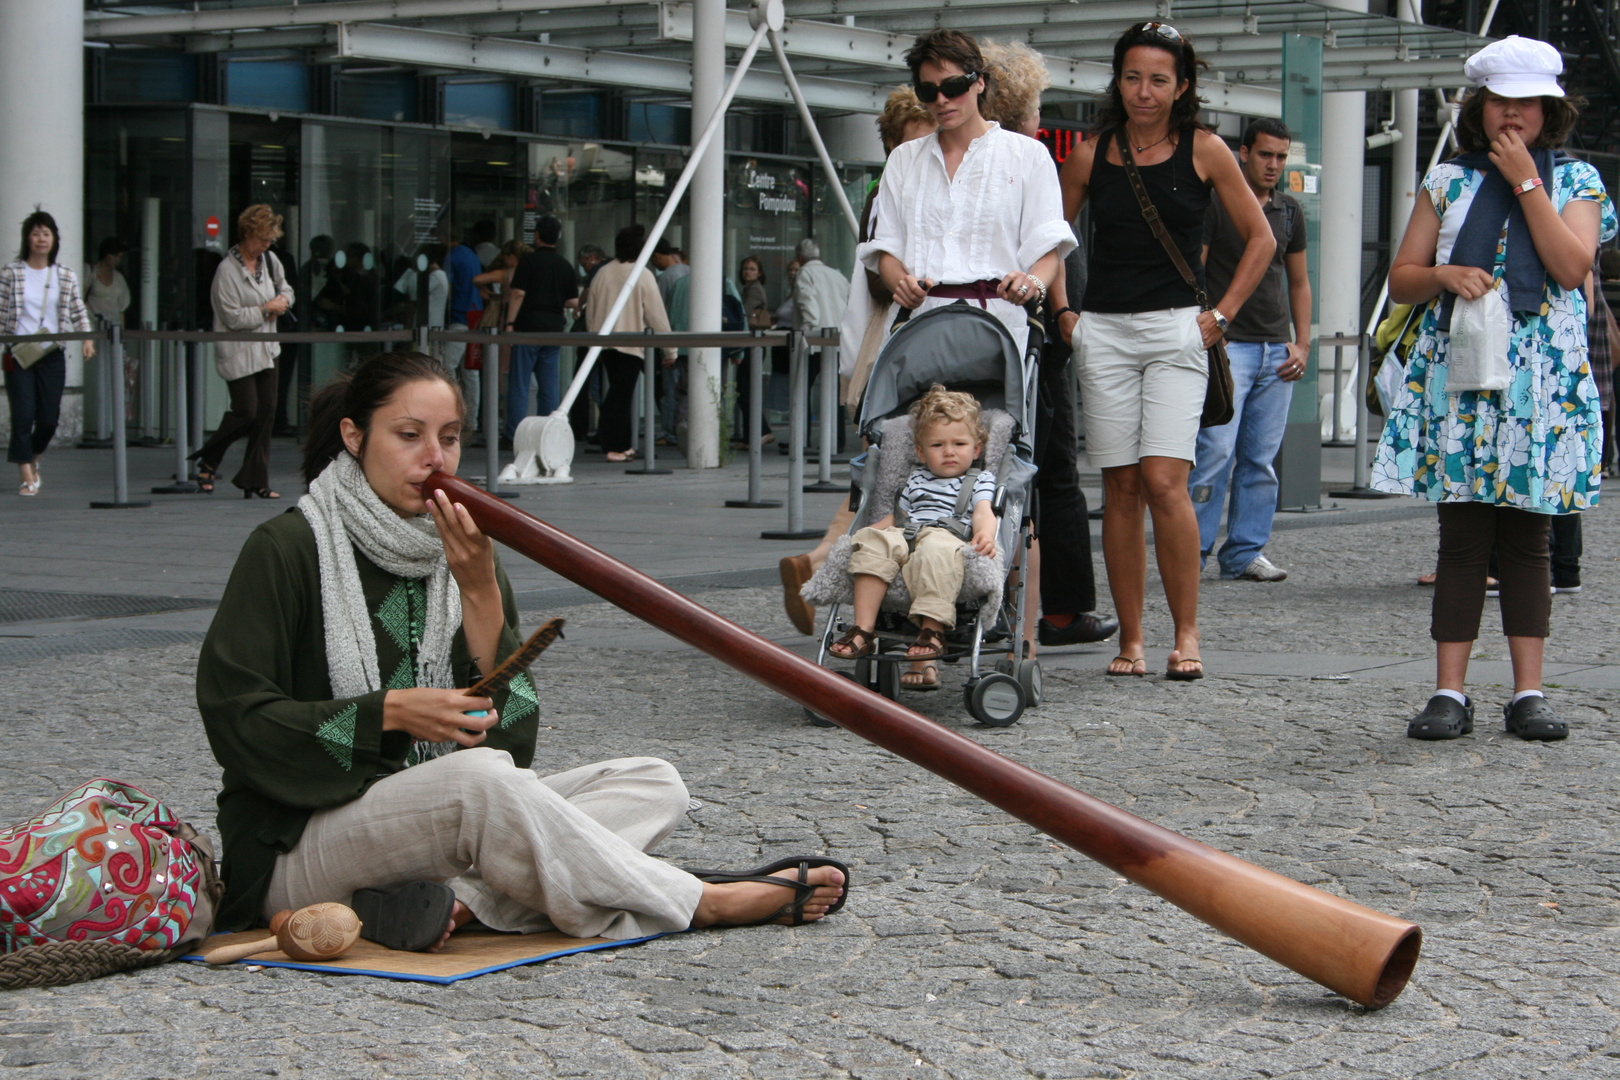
362 199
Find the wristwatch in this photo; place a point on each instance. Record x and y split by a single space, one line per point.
1220 320
1528 186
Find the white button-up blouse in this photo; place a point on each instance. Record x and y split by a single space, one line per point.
1001 212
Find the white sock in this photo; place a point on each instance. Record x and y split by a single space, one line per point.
1522 694
1454 695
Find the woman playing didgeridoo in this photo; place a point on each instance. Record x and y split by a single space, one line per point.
1511 216
1141 340
352 770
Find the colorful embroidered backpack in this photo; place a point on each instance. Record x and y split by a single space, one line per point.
104 879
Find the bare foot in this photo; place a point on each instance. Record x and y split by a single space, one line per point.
743 903
460 916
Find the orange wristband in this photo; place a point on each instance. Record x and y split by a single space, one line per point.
1528 186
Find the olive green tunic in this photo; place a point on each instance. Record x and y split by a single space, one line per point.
287 747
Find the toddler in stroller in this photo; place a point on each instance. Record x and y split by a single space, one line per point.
944 506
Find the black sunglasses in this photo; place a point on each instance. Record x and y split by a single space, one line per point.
953 87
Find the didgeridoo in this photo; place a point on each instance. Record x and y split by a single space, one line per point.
1363 954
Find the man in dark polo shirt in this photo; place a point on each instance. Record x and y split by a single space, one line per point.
1267 342
542 283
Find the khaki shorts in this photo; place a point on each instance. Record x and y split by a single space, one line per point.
1142 383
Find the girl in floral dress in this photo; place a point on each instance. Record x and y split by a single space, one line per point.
1509 213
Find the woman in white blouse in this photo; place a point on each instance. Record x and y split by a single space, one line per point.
250 291
972 211
38 296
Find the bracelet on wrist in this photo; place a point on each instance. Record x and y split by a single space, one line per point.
1527 187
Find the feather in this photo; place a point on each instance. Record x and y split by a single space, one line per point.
518 661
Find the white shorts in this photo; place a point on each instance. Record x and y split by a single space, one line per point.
1142 383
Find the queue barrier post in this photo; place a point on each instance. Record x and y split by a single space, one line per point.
755 437
490 386
830 419
120 499
1361 479
798 421
649 417
178 362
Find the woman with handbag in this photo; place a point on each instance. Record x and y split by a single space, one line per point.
249 293
1147 334
1512 223
37 296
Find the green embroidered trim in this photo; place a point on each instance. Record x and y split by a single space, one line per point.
337 735
418 596
521 700
394 614
404 676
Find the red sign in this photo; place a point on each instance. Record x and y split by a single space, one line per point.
1060 140
211 226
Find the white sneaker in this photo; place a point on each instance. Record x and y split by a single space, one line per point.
1261 569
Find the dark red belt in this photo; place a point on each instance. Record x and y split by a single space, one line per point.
971 290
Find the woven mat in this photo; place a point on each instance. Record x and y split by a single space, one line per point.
470 952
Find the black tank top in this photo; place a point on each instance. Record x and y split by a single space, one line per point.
1130 271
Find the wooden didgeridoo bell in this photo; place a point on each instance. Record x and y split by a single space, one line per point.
317 932
1363 954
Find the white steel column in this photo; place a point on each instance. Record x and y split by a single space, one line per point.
42 144
1344 146
705 247
1403 155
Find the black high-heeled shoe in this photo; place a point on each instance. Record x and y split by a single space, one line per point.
263 493
206 476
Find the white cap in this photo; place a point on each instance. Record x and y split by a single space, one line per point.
1517 67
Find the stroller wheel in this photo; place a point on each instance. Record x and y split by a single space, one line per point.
821 721
888 680
995 700
1029 677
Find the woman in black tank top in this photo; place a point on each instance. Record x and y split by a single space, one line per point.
1141 339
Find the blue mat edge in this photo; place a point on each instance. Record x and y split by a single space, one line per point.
442 980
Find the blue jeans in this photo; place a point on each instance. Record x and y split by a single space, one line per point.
1253 437
540 360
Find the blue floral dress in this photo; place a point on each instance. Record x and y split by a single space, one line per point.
1537 445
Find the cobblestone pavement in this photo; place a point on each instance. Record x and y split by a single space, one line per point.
972 946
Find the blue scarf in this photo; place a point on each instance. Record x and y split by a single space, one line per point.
1494 203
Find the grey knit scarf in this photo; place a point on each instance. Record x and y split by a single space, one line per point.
345 513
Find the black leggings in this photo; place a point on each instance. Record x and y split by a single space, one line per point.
1467 533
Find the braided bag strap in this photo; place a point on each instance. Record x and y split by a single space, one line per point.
59 963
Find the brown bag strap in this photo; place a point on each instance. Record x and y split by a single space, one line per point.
1151 214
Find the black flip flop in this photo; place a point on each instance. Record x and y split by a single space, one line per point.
410 917
802 889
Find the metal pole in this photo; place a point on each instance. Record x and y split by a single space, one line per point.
797 405
177 364
649 416
422 340
829 419
491 386
756 446
115 350
1363 472
194 357
815 135
657 231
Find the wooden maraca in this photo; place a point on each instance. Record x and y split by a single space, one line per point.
317 932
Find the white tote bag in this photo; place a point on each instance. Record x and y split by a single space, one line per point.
1479 344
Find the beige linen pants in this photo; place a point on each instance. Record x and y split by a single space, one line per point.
526 853
933 572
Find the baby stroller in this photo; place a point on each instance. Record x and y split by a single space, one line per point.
964 348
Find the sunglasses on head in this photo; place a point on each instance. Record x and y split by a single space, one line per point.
1164 30
953 87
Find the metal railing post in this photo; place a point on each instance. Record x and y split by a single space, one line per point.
649 416
194 357
797 421
829 418
177 364
1361 475
490 384
755 437
120 500
422 340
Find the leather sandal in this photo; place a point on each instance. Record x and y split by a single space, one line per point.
1137 666
929 639
858 642
802 889
410 917
922 680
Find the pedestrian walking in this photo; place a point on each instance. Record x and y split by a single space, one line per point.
1511 217
643 310
250 291
37 296
1267 344
1143 340
462 265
